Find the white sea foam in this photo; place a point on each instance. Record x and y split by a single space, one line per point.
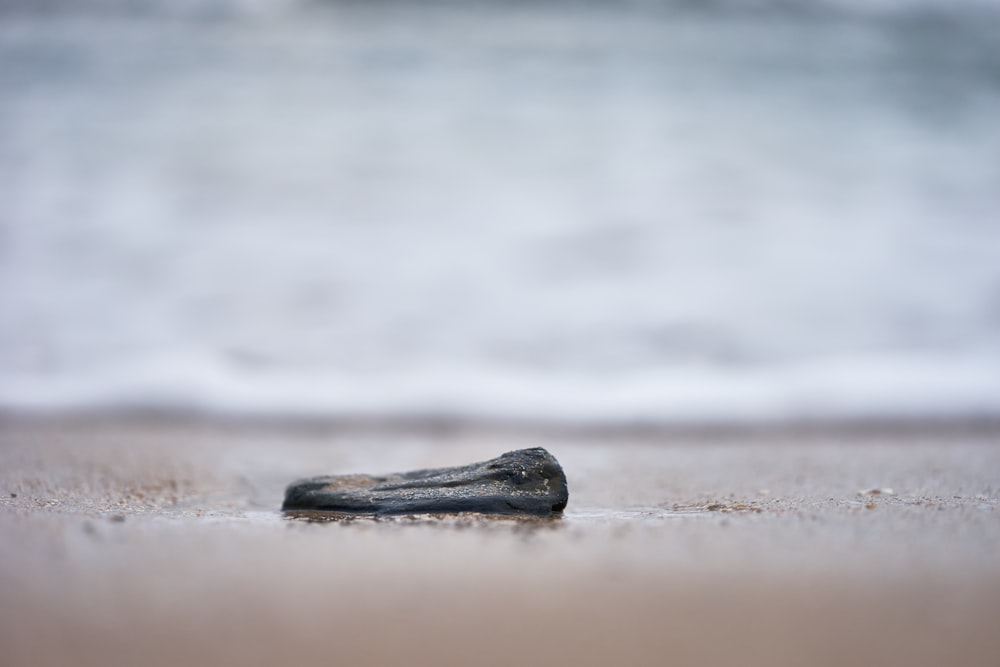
848 389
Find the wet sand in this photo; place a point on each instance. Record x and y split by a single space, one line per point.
159 542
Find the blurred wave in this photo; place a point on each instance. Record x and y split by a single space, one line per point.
565 210
232 8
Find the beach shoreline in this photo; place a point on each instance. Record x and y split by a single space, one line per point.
129 540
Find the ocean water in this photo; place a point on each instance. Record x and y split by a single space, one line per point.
569 211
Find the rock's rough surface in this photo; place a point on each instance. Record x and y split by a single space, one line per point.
526 481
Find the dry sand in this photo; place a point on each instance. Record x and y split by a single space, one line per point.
159 542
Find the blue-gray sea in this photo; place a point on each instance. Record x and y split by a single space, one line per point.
553 210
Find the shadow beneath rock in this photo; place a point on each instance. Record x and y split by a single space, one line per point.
448 521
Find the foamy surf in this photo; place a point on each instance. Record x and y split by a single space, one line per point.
857 388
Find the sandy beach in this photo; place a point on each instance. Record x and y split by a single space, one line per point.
160 542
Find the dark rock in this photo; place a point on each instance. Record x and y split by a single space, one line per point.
526 481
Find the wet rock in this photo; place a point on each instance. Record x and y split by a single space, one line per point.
526 481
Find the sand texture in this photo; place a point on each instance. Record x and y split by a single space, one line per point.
130 541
